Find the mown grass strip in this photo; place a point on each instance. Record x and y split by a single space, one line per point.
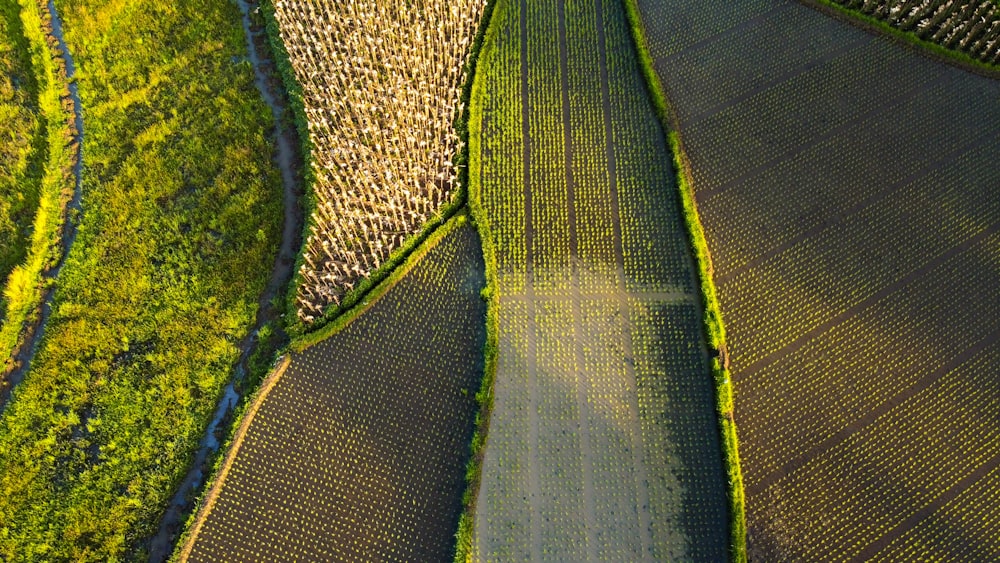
482 49
909 38
714 327
26 286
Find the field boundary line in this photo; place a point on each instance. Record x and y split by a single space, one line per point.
348 316
873 415
220 480
907 39
944 498
711 310
872 299
482 45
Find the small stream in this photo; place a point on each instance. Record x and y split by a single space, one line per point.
27 350
288 160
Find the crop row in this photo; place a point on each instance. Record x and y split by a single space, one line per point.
382 85
906 459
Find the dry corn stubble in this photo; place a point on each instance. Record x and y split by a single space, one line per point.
382 85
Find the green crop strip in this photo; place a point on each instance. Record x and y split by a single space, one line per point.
714 326
934 50
25 286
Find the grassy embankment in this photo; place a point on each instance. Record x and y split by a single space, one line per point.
484 397
36 166
714 326
179 230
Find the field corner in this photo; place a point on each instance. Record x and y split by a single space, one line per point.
713 323
906 38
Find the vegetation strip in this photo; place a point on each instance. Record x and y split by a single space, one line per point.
27 290
989 67
556 299
714 326
267 335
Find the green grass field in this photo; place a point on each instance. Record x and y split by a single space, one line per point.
357 450
603 442
848 190
180 222
20 142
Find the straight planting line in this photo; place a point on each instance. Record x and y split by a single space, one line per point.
875 111
725 34
646 297
241 432
958 488
531 358
841 50
583 383
872 416
902 282
631 381
843 216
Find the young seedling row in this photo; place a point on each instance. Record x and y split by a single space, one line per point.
382 84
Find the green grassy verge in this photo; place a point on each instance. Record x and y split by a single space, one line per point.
484 397
50 191
930 48
714 326
180 226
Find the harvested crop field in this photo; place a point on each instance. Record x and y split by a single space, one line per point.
358 451
603 442
381 87
848 188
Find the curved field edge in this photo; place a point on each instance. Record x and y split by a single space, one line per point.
250 405
26 286
296 328
713 322
905 38
473 475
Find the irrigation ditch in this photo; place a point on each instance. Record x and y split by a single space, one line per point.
267 335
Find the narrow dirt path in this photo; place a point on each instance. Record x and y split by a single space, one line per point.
35 332
289 162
